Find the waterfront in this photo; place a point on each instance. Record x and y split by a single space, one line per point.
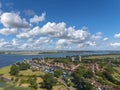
88 67
8 59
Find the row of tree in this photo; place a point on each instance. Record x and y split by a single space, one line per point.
48 81
79 78
15 68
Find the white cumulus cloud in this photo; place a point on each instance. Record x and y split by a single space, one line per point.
13 20
37 19
117 35
51 35
105 39
62 42
115 44
15 42
42 40
53 29
23 35
8 31
97 36
4 43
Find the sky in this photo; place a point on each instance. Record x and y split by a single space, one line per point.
60 25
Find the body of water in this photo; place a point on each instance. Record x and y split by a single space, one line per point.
8 59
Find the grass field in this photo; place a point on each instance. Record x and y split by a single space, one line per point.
1 88
30 73
24 75
102 56
5 70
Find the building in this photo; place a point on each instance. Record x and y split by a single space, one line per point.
76 58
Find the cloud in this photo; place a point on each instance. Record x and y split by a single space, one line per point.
117 35
8 31
86 44
90 43
97 36
42 40
78 36
99 33
59 30
53 29
23 35
4 44
15 42
35 31
105 39
62 42
29 12
115 44
31 33
36 43
13 20
24 46
51 35
37 19
57 34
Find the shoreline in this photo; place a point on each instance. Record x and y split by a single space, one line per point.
97 57
101 55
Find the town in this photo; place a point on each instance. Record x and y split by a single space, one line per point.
72 72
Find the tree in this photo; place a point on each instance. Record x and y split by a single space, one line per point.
58 73
23 66
32 81
49 81
88 74
109 77
78 73
85 85
14 70
100 79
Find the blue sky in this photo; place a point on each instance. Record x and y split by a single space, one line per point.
60 25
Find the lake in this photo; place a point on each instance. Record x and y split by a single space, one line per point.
8 59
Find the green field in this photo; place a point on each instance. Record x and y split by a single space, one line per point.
1 88
30 73
24 75
102 56
5 70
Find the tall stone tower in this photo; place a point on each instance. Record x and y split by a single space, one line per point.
80 58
